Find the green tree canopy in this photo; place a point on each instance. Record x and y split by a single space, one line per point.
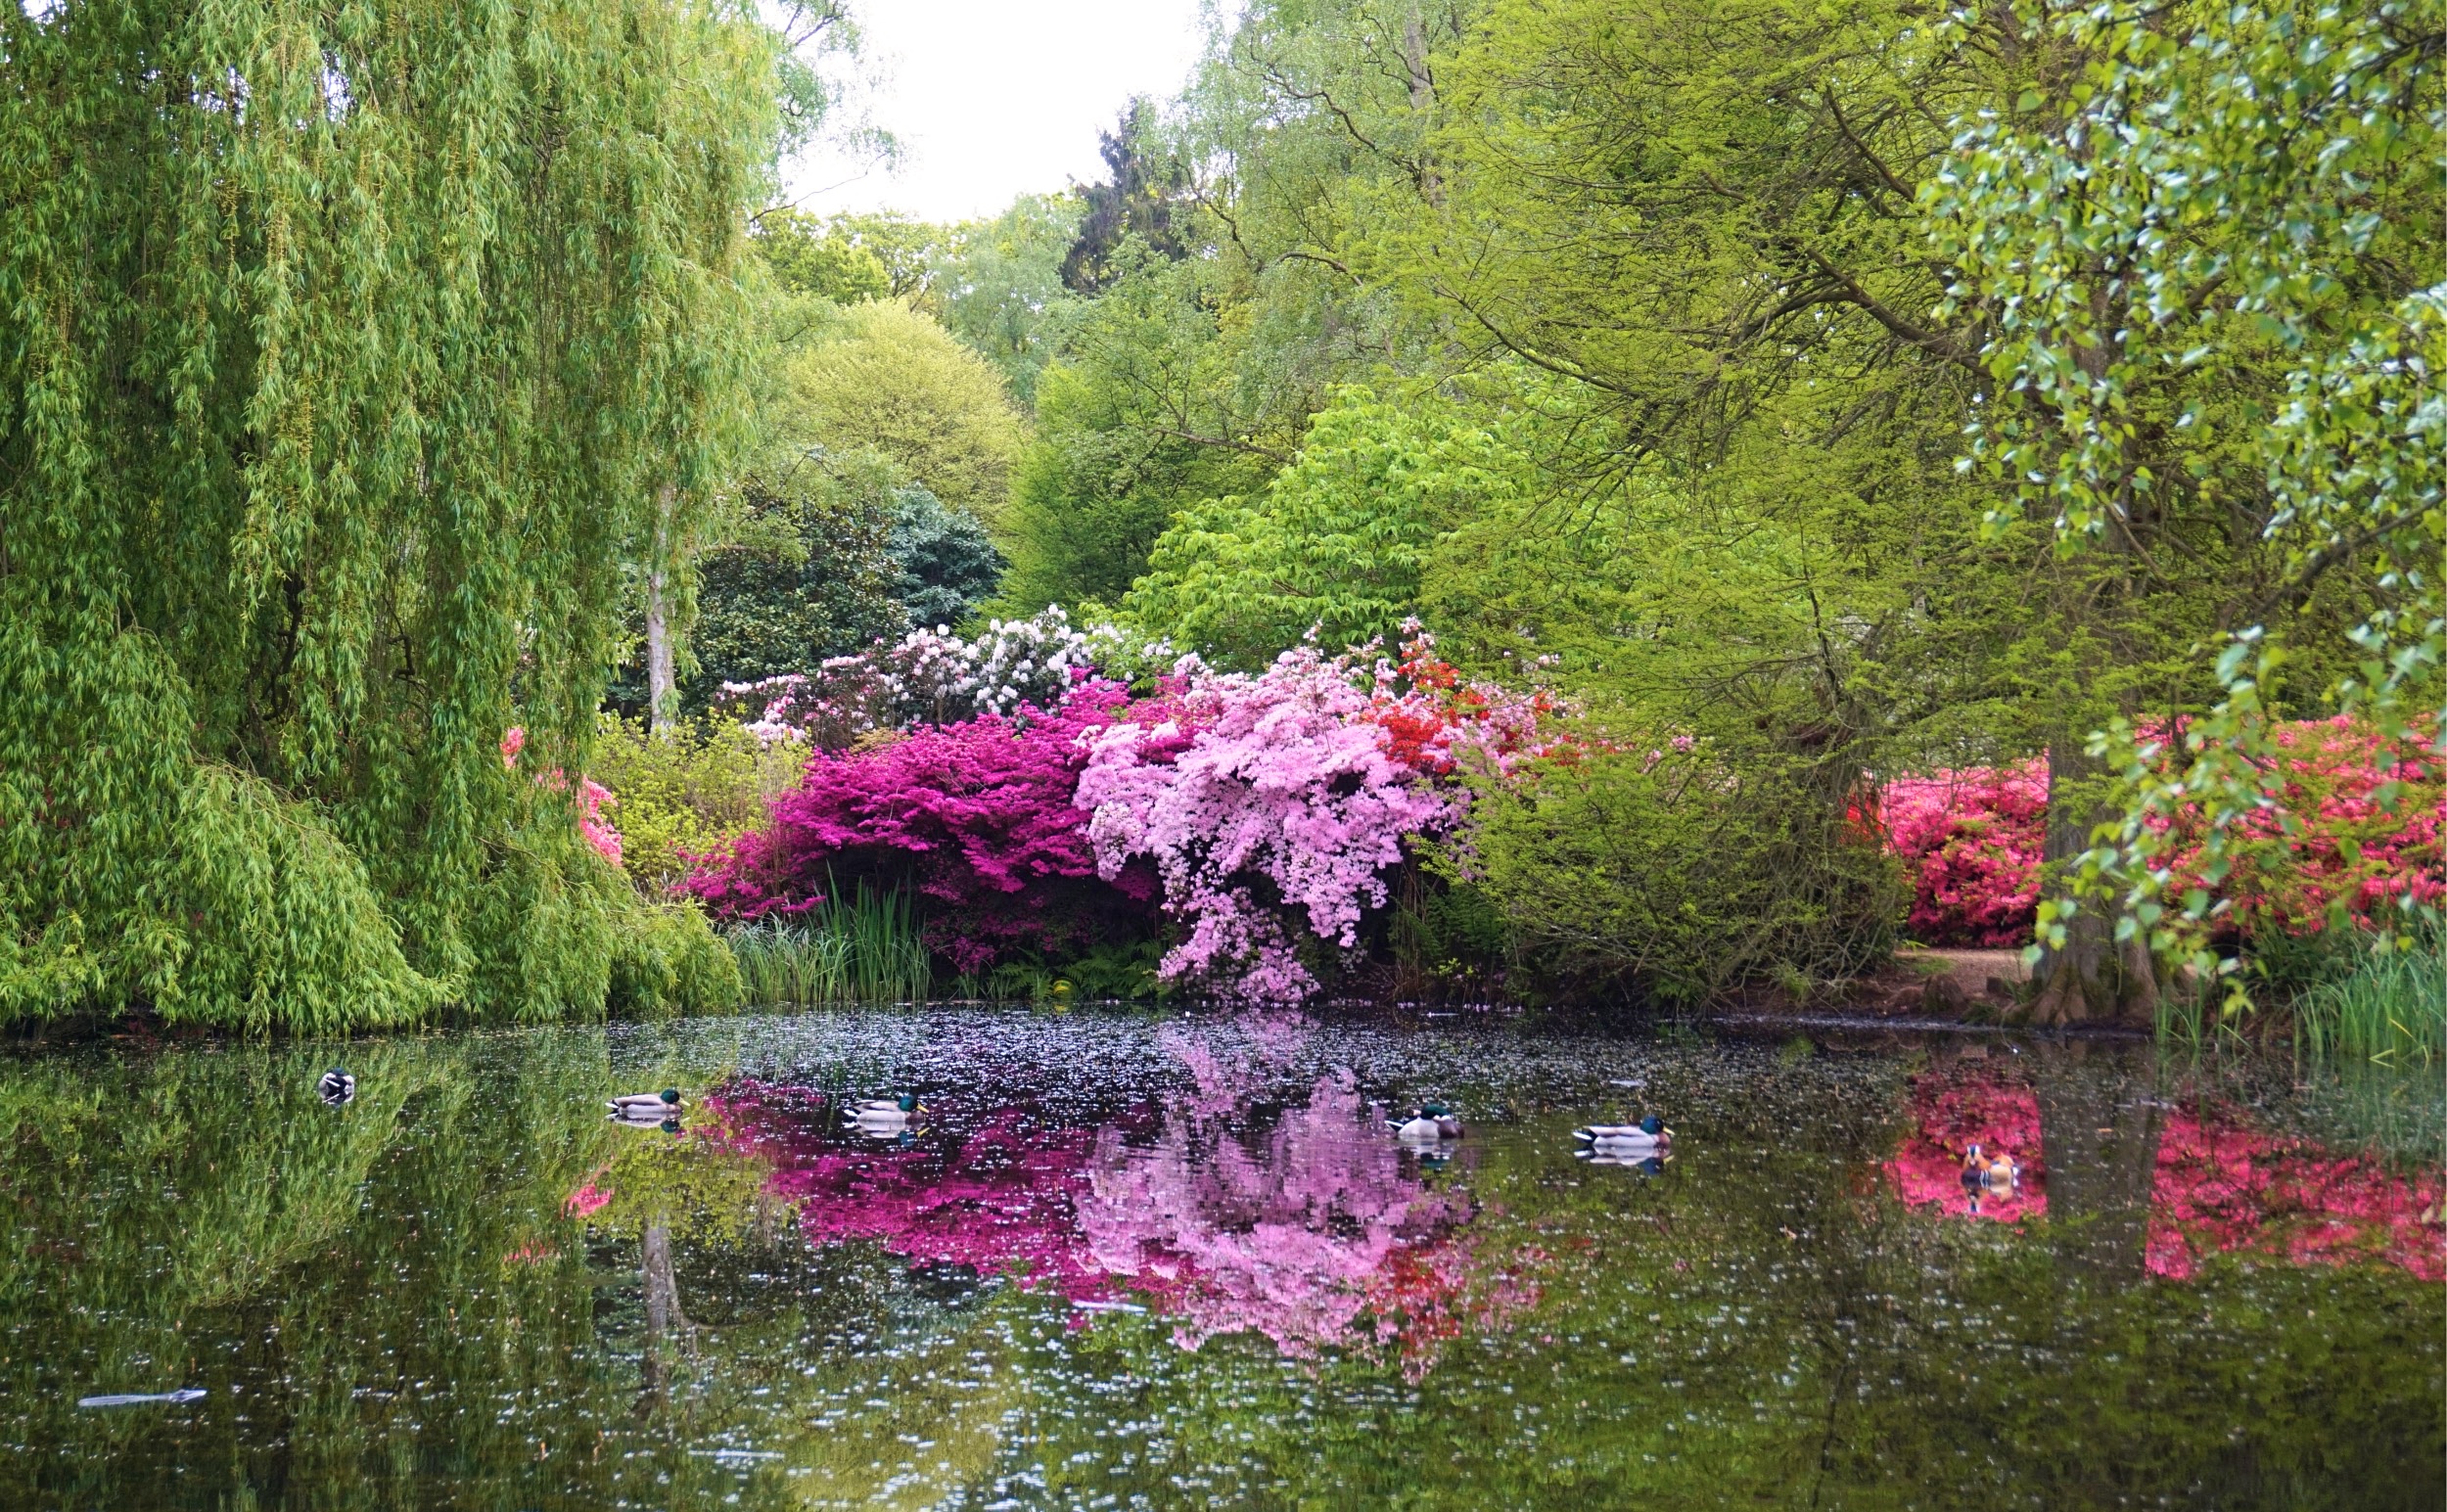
886 378
341 354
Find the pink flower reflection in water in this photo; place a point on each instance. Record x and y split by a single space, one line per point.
1313 1234
2219 1185
1287 1239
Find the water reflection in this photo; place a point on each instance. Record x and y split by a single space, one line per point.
467 1287
1299 1220
2131 1182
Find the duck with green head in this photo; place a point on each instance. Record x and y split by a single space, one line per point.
1648 1136
1429 1123
647 1107
883 1115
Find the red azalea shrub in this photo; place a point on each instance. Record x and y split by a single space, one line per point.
1431 714
1973 841
2350 830
974 817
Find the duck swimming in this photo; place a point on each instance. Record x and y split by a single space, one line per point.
1428 1125
653 1106
883 1115
1982 1172
337 1087
1648 1136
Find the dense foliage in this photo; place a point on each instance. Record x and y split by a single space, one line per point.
343 353
974 816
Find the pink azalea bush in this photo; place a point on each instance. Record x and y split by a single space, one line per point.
2349 831
1265 803
1973 841
976 817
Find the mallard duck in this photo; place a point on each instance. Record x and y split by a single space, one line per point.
1644 1158
653 1106
337 1087
1429 1123
883 1115
1649 1134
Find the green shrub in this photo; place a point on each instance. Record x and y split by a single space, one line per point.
670 959
687 794
1678 875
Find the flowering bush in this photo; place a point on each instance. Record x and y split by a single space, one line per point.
1973 841
1433 718
592 798
2348 831
933 678
976 816
1257 796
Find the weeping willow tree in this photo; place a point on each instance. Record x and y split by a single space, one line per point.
348 351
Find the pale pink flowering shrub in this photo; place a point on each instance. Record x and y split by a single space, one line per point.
1256 798
592 798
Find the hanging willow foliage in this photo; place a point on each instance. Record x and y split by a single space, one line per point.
345 347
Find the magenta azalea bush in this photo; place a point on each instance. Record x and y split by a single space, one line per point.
976 817
1973 841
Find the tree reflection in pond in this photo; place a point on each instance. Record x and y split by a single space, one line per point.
467 1289
2129 1182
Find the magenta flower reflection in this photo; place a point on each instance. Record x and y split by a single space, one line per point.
1312 1233
2217 1184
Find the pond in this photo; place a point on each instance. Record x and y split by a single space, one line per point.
1129 1260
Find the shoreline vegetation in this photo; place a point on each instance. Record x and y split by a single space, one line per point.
1589 524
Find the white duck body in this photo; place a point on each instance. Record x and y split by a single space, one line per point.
1628 1140
882 1115
656 1106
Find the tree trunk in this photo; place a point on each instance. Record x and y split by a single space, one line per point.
663 1316
1422 99
2090 979
2099 1126
659 663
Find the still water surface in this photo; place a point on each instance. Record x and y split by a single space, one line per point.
1171 1262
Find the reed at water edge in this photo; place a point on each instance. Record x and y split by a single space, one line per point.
2391 1008
860 948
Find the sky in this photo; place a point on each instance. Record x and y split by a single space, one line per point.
991 98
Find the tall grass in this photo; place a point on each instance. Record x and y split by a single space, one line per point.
2391 1008
863 949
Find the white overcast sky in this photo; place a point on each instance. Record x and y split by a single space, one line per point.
996 98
